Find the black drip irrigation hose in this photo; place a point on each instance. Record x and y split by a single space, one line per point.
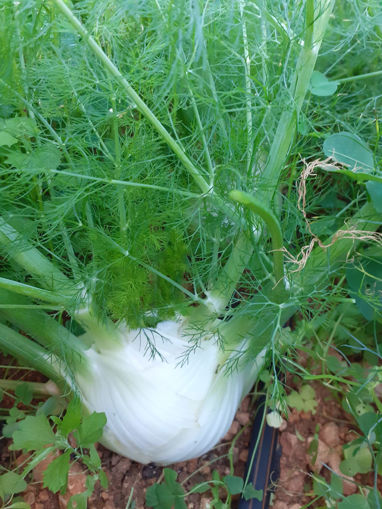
263 464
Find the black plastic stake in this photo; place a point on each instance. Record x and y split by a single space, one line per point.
264 468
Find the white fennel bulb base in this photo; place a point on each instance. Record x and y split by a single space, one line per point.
159 409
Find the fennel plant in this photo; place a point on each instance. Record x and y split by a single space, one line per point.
146 150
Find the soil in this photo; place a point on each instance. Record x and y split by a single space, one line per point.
329 427
312 444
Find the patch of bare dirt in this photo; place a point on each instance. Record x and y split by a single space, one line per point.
312 444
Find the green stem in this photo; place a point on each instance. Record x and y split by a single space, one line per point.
306 62
30 259
285 132
223 288
126 183
248 87
40 326
273 227
44 388
204 141
33 292
359 77
139 103
22 348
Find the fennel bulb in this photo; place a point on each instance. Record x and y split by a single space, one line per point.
159 409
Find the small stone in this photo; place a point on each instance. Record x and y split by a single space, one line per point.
124 464
227 437
29 498
244 407
243 456
39 506
295 506
243 418
115 459
206 470
289 440
330 434
43 496
192 465
234 428
296 482
280 505
104 496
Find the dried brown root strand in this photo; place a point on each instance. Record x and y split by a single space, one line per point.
351 233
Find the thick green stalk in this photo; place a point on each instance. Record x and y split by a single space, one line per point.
317 19
33 292
30 353
315 28
273 227
31 260
224 287
139 103
42 327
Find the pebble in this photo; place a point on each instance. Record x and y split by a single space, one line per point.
124 464
330 434
206 470
294 480
115 459
243 456
234 428
192 465
243 418
43 496
280 505
244 407
29 498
